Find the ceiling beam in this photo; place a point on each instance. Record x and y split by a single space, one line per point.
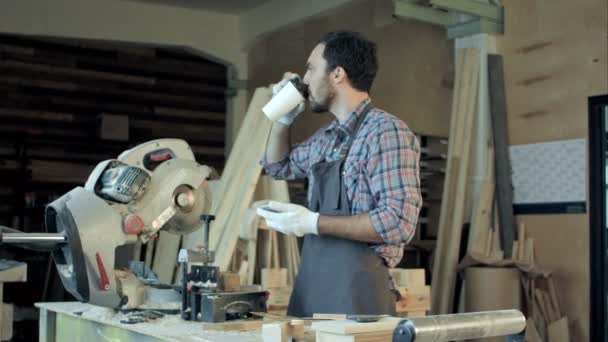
472 7
474 26
460 18
410 10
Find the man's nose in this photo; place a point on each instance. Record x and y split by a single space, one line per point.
305 79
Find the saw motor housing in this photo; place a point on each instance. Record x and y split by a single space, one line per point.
155 186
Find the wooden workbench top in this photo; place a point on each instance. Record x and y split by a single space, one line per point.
168 328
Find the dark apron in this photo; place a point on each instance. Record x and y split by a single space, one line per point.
338 275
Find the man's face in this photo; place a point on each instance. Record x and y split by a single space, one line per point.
321 91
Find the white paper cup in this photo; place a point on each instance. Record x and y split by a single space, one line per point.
286 100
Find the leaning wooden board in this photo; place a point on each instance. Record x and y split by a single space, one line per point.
238 182
455 187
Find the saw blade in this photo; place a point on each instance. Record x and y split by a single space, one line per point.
187 219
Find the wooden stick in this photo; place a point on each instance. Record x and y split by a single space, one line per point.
553 294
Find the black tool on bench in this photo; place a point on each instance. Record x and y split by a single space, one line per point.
201 298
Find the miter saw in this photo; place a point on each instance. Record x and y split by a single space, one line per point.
154 186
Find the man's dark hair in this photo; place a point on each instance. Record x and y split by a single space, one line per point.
355 54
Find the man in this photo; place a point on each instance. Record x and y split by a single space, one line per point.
364 192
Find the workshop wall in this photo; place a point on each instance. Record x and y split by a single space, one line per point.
415 76
555 57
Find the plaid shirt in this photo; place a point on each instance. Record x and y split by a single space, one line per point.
381 173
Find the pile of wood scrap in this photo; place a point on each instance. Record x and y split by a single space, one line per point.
546 323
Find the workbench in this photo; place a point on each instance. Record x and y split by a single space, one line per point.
65 321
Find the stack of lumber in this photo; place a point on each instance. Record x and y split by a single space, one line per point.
491 230
415 295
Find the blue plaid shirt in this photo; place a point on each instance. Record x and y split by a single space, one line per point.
381 173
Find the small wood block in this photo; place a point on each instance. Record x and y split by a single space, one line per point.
132 287
278 296
417 299
283 331
410 278
230 282
274 277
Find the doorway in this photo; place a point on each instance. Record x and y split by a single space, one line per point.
598 192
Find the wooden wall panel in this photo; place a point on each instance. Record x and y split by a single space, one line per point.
555 57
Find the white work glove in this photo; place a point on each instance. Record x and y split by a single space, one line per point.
288 118
290 219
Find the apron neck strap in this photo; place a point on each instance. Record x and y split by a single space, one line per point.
351 138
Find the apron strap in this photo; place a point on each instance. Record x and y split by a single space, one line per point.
351 138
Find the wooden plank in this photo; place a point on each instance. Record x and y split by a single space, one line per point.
237 325
72 72
553 294
381 336
529 251
558 331
482 212
455 188
274 277
348 327
541 304
549 306
515 249
412 278
238 181
531 332
504 187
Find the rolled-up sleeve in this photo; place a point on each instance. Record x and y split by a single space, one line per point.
393 171
294 165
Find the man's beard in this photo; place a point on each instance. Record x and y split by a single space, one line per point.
317 107
322 106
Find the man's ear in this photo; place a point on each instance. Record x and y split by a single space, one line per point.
338 75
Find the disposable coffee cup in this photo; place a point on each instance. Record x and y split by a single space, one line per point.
286 100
